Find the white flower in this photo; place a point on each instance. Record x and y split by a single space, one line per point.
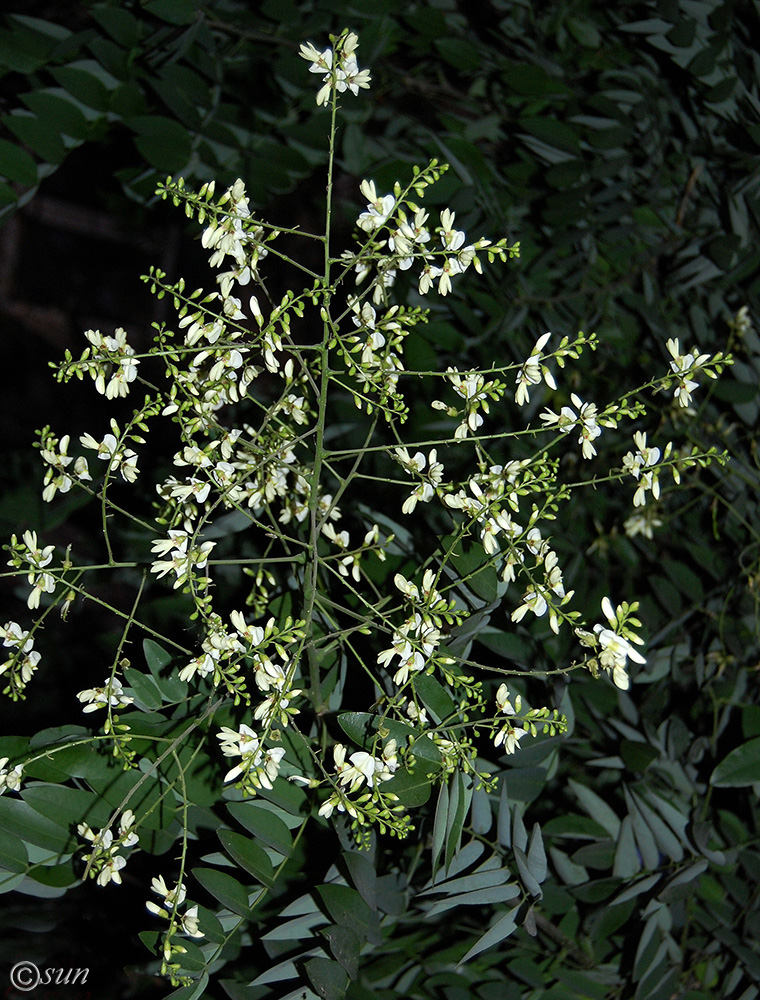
182 556
126 834
112 359
13 635
339 802
125 460
568 418
533 600
38 558
418 715
204 664
415 464
253 634
348 75
408 236
244 744
340 538
110 870
24 659
339 69
10 778
614 655
424 492
415 652
504 704
471 388
258 767
321 62
683 366
365 768
171 898
111 694
34 555
444 273
742 321
615 649
452 239
378 210
56 477
189 923
104 861
276 708
427 275
641 467
532 372
195 488
510 736
642 524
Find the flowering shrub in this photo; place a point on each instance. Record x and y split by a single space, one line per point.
336 572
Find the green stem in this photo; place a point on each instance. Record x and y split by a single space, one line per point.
312 568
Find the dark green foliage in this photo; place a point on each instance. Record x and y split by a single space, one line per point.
619 143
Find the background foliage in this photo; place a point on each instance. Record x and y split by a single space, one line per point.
619 144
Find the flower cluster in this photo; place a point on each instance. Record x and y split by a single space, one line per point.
24 658
104 862
373 354
476 391
363 768
641 465
274 680
236 236
219 649
258 767
60 473
110 449
542 596
339 68
111 695
430 480
614 642
258 394
111 362
416 641
412 241
644 523
454 258
27 553
685 367
224 654
182 556
503 538
532 372
509 734
585 419
532 720
171 901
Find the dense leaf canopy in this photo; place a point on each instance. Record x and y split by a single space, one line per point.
619 144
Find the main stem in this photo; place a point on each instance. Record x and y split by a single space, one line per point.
323 363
